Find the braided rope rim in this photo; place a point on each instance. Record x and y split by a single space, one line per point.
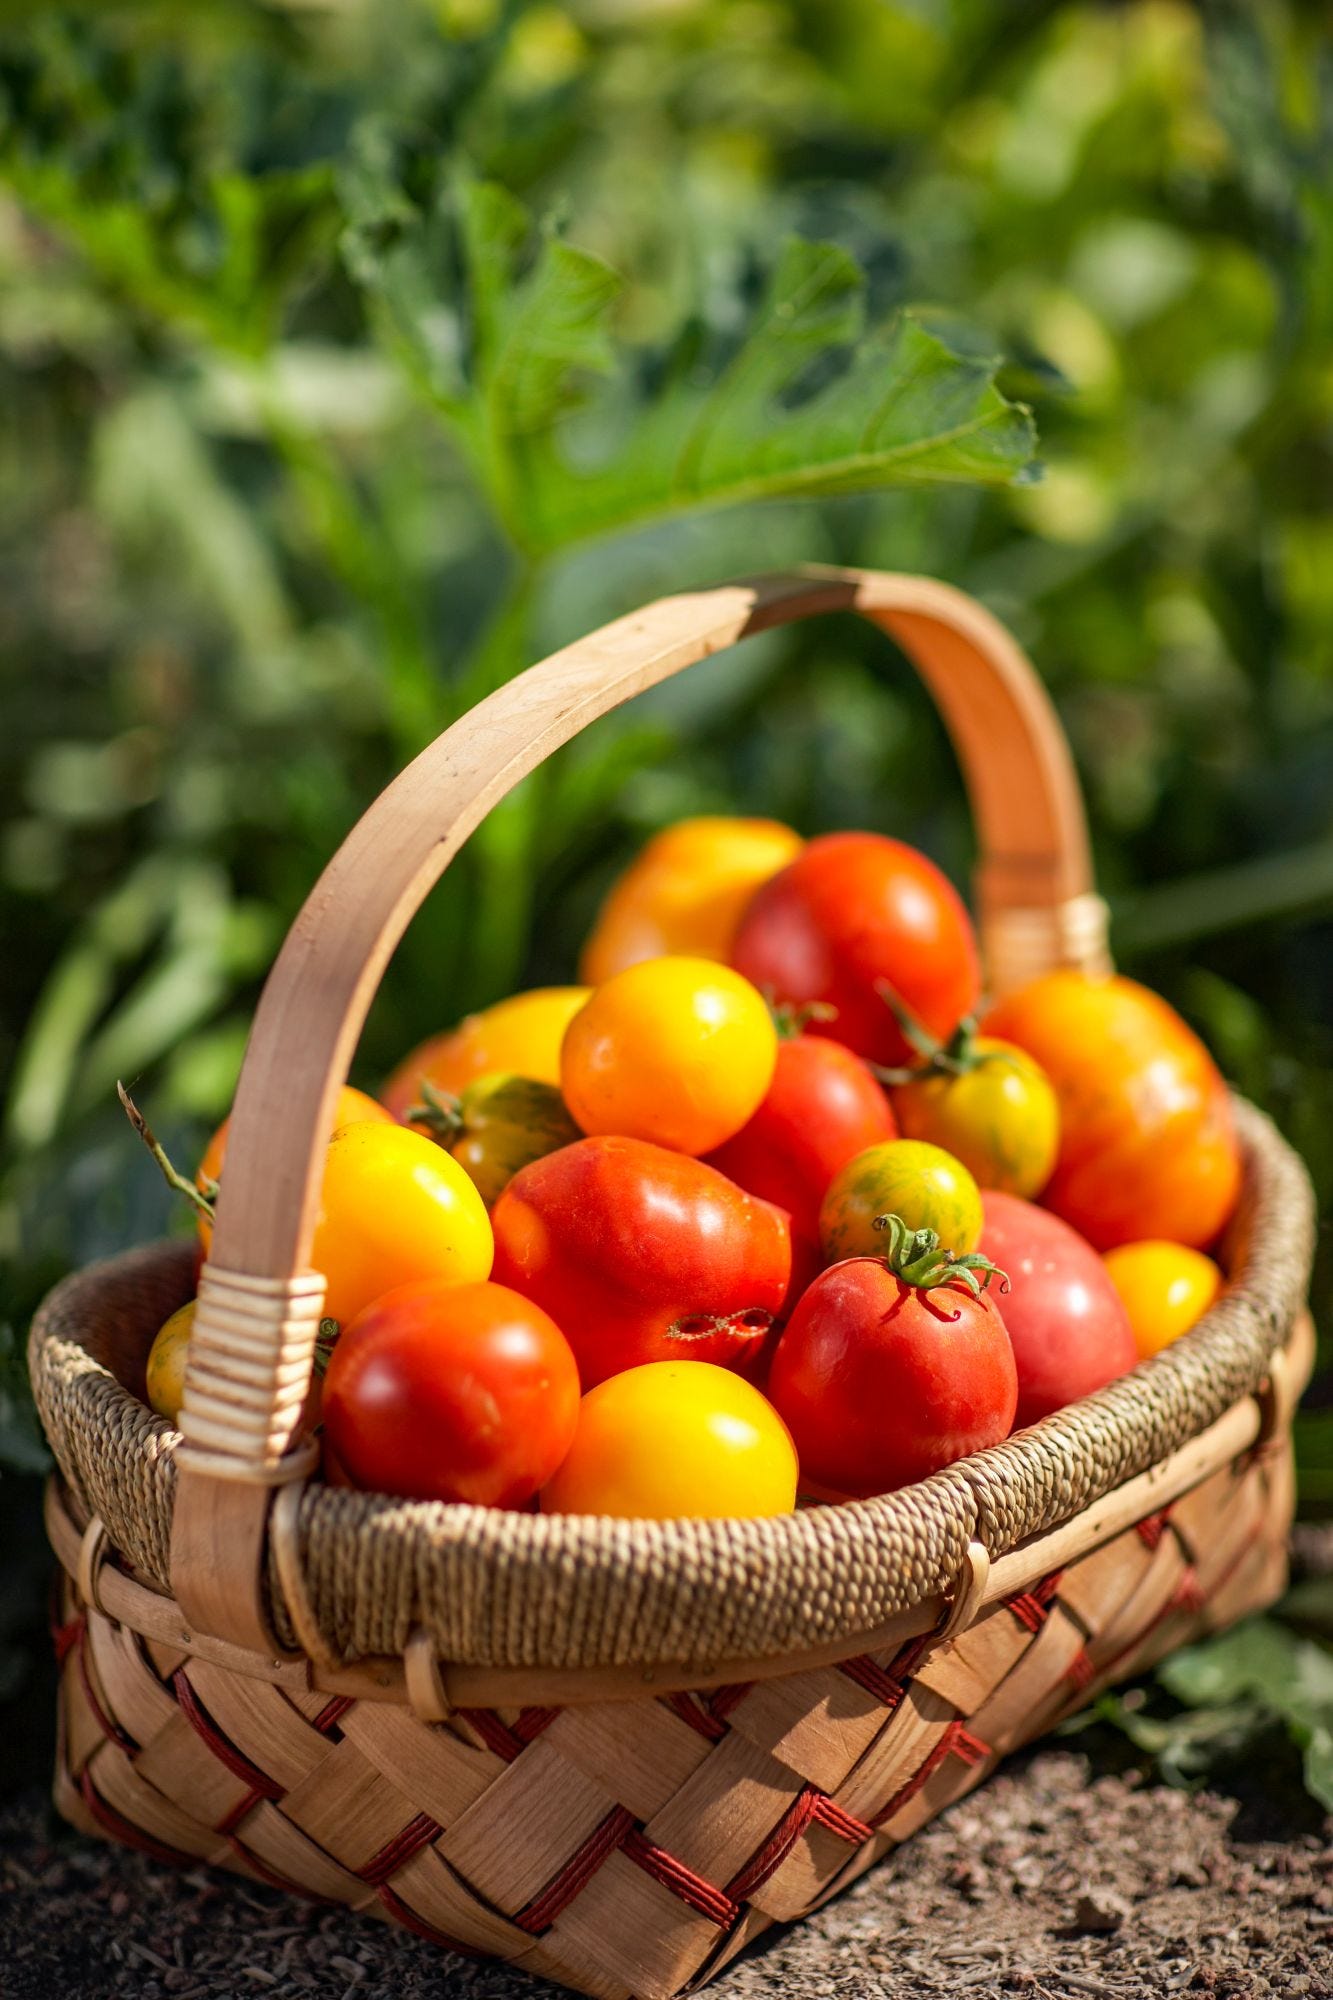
523 1590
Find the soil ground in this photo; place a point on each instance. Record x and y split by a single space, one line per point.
1068 1874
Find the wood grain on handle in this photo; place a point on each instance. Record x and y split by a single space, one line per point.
245 1382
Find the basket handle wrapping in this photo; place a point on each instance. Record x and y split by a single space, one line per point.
252 1347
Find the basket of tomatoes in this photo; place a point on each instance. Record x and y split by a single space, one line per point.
591 1499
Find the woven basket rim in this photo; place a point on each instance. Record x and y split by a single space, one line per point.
497 1589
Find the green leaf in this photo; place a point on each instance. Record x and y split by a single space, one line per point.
810 402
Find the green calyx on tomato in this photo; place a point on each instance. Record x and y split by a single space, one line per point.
917 1257
495 1126
957 1056
792 1021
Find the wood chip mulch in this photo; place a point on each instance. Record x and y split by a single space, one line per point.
1061 1877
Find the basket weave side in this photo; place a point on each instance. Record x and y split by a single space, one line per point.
632 1847
501 1590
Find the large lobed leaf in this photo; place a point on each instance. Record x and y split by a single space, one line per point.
810 402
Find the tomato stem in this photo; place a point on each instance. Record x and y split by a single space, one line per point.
915 1256
791 1021
439 1112
203 1199
956 1057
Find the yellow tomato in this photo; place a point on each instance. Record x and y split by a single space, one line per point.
923 1184
354 1108
165 1371
676 1050
395 1207
520 1036
1165 1289
674 1440
686 892
998 1115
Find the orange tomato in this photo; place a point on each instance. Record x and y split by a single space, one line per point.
1148 1144
1165 1288
354 1108
165 1371
678 1051
520 1036
676 1440
685 893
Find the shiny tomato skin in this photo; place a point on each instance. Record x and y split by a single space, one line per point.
999 1117
642 1254
353 1108
685 892
852 911
881 1384
1166 1289
1148 1145
823 1108
518 1036
922 1183
1069 1328
676 1440
451 1392
677 1051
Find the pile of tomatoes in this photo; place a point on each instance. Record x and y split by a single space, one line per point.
758 1211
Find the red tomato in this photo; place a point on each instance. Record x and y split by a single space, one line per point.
881 1383
1068 1324
823 1108
451 1392
1148 1144
642 1254
853 912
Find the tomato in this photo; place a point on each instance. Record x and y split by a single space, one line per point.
853 914
1069 1330
685 893
165 1370
882 1382
1148 1143
996 1112
821 1109
1165 1289
394 1208
923 1184
676 1050
452 1392
676 1440
642 1254
498 1125
354 1108
520 1036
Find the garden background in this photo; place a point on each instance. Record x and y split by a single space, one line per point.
353 356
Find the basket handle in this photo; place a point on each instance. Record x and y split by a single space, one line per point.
253 1342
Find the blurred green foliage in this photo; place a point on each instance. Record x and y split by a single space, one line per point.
352 357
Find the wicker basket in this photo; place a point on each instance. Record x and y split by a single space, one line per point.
614 1752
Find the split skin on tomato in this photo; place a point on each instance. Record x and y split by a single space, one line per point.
1148 1144
853 913
451 1392
1164 1287
881 1382
923 1184
641 1254
822 1108
519 1036
676 1440
678 1051
685 893
1070 1331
